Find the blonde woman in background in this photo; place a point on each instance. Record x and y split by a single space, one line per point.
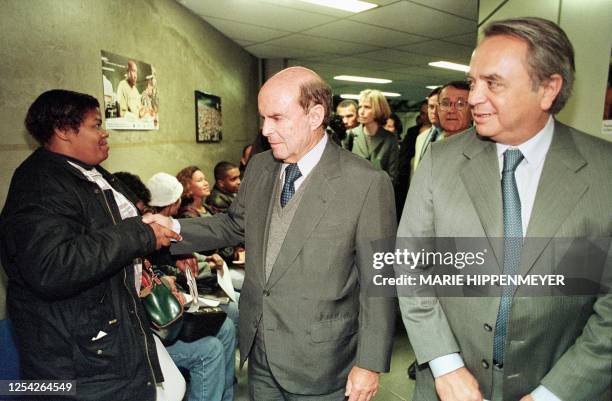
372 141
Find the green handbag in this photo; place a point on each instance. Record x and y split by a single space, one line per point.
164 310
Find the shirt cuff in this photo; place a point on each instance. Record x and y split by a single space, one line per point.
541 393
176 226
445 364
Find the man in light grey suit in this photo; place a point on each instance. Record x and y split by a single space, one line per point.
555 183
308 212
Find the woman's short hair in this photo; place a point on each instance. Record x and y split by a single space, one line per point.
379 104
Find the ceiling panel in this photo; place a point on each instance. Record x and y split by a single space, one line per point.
444 50
468 39
323 45
417 19
258 13
242 31
397 57
463 8
263 50
360 32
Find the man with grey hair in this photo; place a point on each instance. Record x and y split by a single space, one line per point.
308 212
555 184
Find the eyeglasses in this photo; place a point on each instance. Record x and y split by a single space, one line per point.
460 104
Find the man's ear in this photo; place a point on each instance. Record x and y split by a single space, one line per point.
315 116
550 89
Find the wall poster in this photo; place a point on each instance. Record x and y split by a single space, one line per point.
131 101
208 117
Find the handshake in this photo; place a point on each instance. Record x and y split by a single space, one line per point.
162 228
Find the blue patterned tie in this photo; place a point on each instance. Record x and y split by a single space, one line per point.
292 173
513 242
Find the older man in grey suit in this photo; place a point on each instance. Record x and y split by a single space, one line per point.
308 212
555 183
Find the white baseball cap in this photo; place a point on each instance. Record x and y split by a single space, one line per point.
165 189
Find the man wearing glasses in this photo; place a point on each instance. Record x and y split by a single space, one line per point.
453 110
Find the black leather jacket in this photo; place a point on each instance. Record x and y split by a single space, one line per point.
68 256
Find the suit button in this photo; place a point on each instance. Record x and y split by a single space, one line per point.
485 364
266 293
487 327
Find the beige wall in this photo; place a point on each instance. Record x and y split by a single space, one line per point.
56 44
588 27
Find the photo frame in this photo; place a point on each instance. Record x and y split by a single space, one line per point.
131 99
208 117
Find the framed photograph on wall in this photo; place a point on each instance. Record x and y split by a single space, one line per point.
131 100
208 117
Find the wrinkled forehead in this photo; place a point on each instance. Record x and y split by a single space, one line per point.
452 92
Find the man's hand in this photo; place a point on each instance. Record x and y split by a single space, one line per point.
163 236
190 263
215 262
528 397
160 219
362 384
458 385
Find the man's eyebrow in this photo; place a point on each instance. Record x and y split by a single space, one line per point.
490 77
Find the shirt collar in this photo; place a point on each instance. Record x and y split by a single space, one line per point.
310 159
534 150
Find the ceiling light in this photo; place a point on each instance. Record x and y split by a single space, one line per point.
353 96
432 87
354 6
450 66
362 79
349 96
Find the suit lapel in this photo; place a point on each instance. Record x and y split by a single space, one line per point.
310 210
263 199
559 190
481 179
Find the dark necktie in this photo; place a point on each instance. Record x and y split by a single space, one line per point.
292 173
513 242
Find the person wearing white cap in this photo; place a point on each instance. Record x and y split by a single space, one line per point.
210 360
166 193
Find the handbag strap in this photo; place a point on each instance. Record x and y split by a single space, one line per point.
193 291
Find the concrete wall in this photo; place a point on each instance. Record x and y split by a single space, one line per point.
588 27
56 44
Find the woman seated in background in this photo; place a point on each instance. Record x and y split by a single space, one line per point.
210 360
372 141
195 190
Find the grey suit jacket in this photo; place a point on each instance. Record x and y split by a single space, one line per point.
384 150
564 343
318 320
